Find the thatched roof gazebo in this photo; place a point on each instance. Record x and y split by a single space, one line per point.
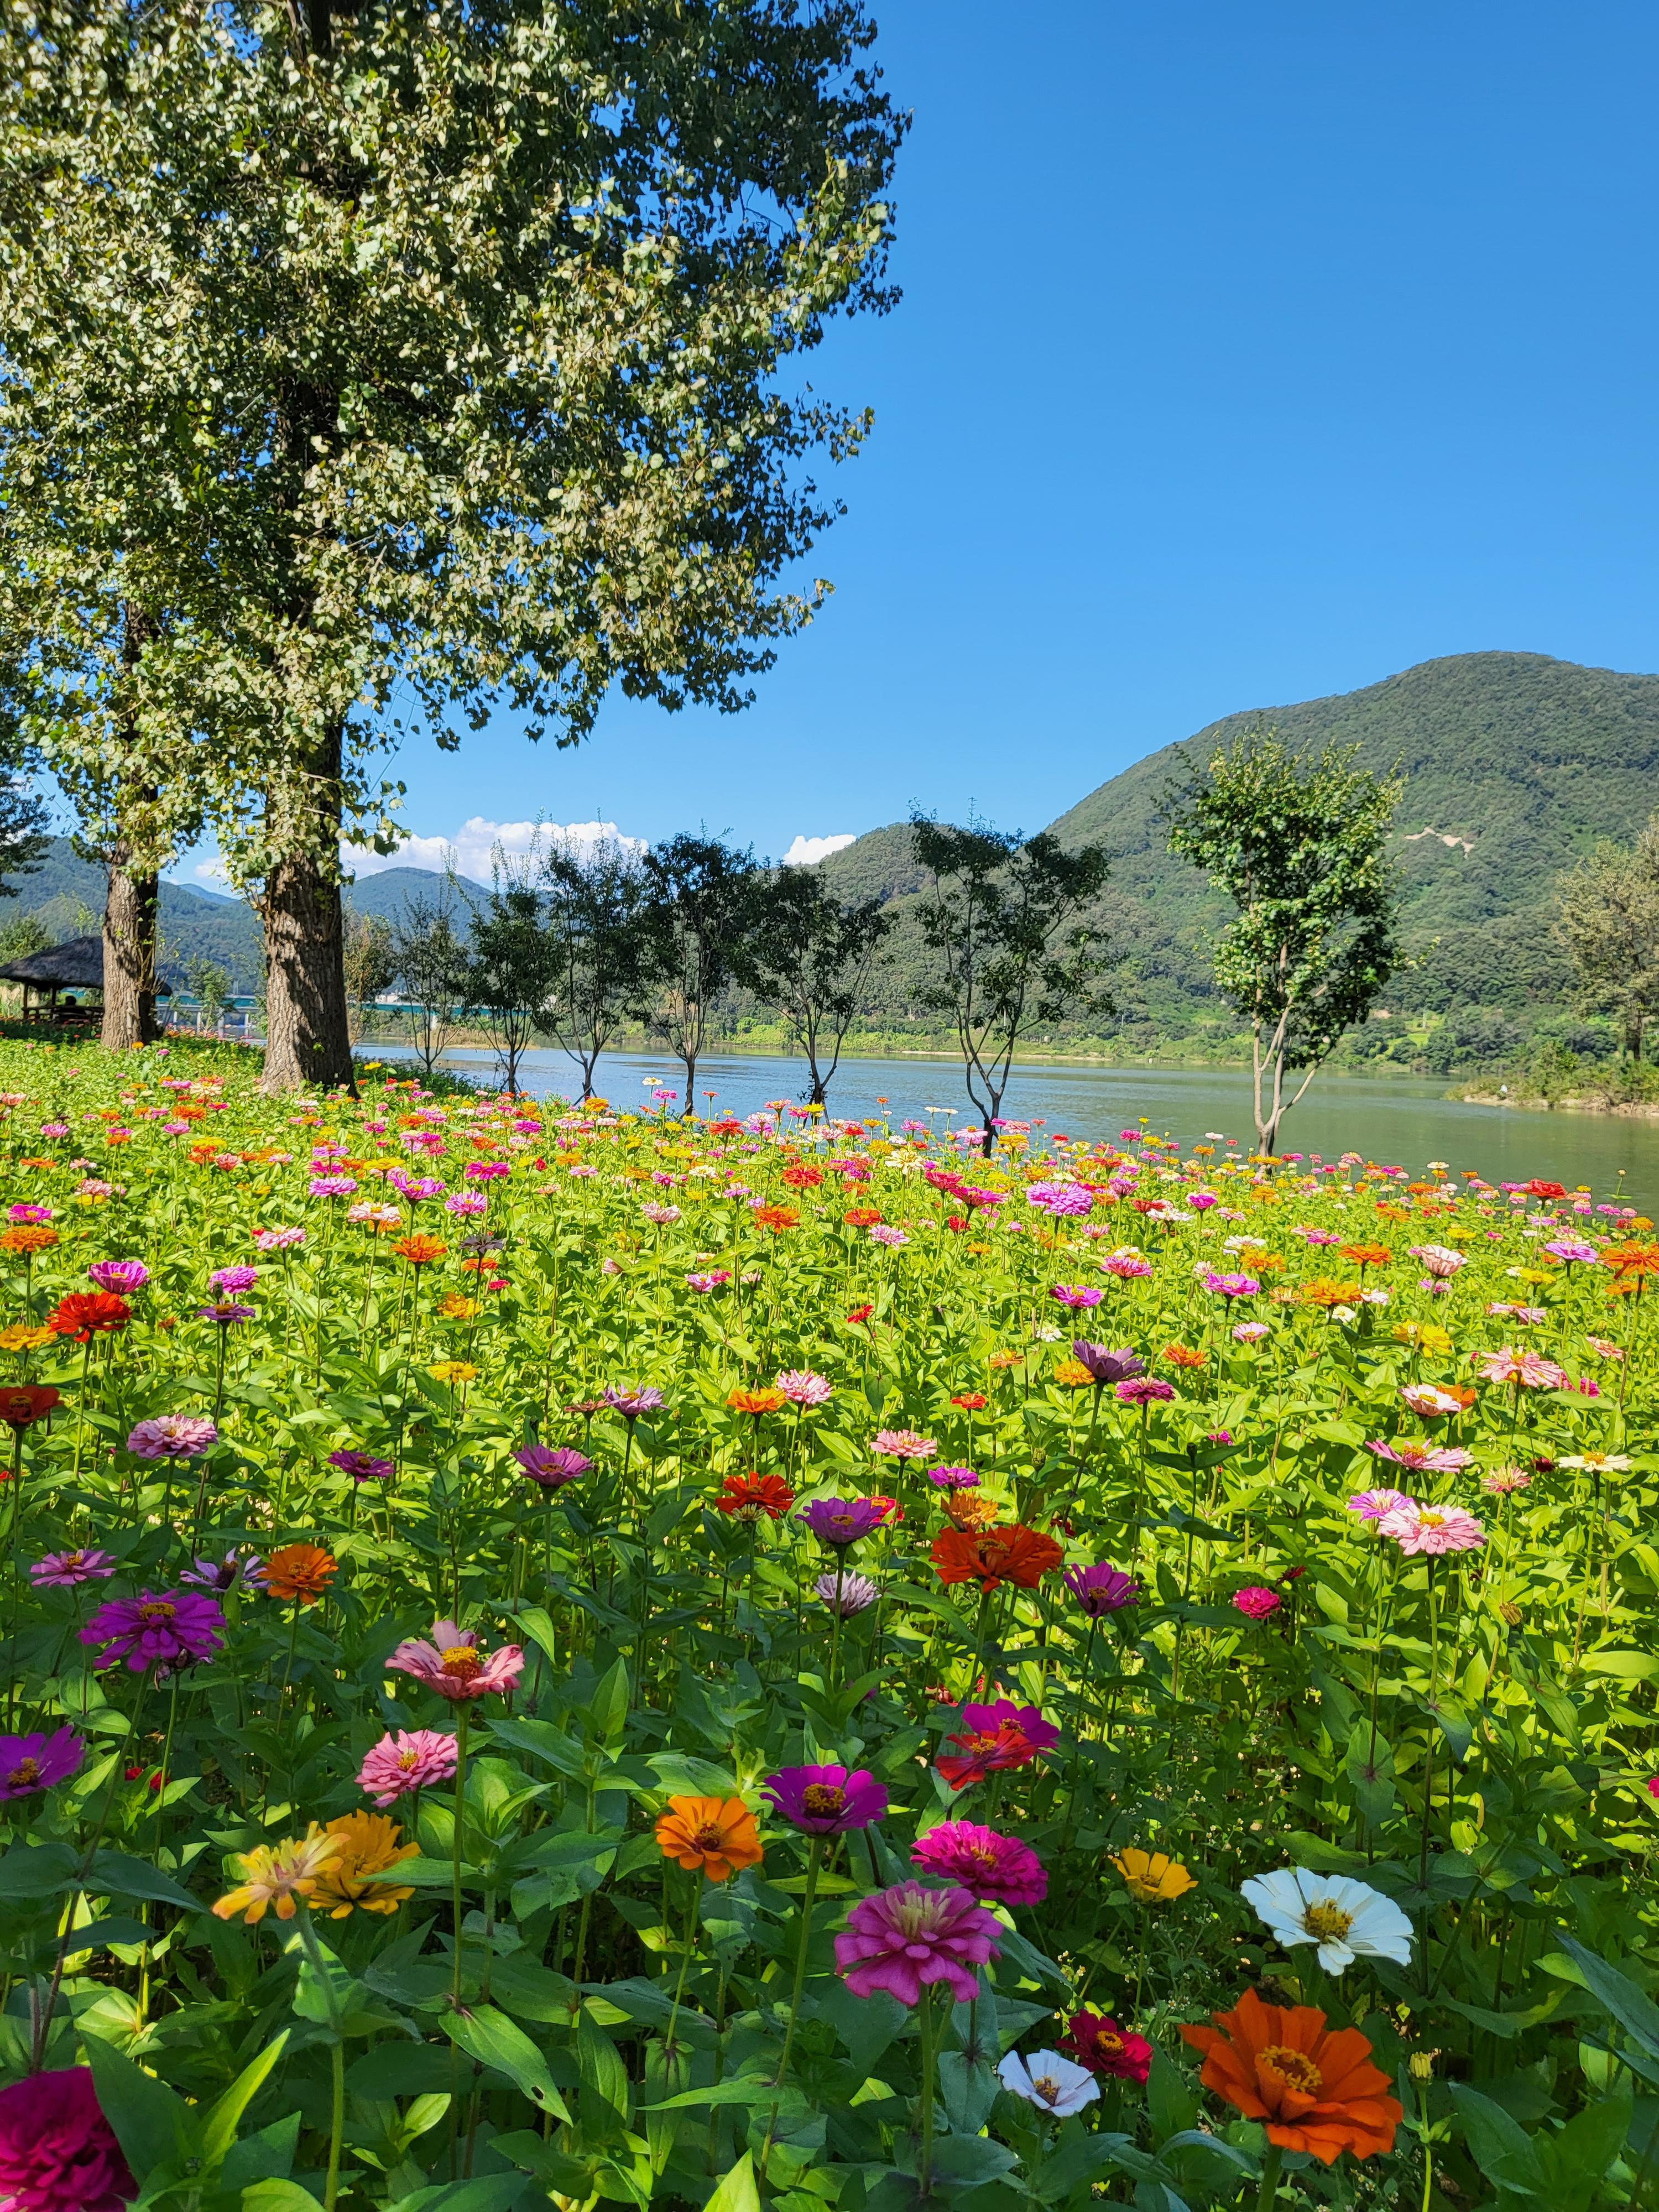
75 965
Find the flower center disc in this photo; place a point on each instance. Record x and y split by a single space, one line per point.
160 1610
823 1799
1328 1922
461 1659
1294 2069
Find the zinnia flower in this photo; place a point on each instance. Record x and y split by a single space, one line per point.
57 2152
165 1630
30 1764
69 1569
551 1466
901 1443
845 1594
368 1844
361 1467
452 1664
991 1556
1504 1481
632 1404
843 1520
236 1571
233 1279
1256 1602
23 1404
755 1403
1107 1367
86 1313
173 1436
1435 1401
1101 1589
301 1570
998 1869
715 1835
1076 1297
1347 1919
1096 2040
412 1760
953 1477
801 1386
993 1738
1377 1504
1051 2083
1315 2089
1152 1877
905 1939
1421 1458
122 1276
747 1497
227 1313
1432 1529
1145 1391
826 1800
277 1874
1528 1371
1230 1286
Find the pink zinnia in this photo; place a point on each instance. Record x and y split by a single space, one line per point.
1377 1504
57 2152
1077 1296
1256 1602
1143 1390
801 1386
452 1665
173 1436
1505 1481
68 1569
123 1276
1431 1403
1421 1458
1125 1265
1528 1370
1442 1262
1432 1529
998 1869
902 1443
411 1759
904 1939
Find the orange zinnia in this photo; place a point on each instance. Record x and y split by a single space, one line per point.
1183 1355
301 1571
746 1497
754 1401
1635 1260
420 1251
993 1556
28 1237
86 1313
1325 1290
1366 1255
775 1218
969 1508
1315 2087
713 1835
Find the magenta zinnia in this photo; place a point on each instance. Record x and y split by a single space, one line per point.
411 1759
826 1800
165 1629
904 1939
57 2152
998 1869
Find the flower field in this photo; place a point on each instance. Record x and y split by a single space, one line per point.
557 1657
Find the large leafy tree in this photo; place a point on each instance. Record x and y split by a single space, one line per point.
1004 917
812 958
1300 846
421 358
697 921
1610 919
595 898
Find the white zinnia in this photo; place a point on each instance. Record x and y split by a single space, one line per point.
1347 1919
1049 2081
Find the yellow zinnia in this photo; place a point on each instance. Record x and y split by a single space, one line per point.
278 1874
451 1370
1152 1877
368 1846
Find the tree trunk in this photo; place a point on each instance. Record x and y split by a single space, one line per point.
307 1043
129 909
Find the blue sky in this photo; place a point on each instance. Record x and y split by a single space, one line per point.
1247 353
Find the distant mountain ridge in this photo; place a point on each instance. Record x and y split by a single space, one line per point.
1515 763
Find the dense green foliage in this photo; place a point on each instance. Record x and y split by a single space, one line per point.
484 1371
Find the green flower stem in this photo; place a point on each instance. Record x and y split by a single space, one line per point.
337 2112
929 2068
456 1854
1269 2191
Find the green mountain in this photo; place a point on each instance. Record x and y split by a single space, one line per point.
1515 763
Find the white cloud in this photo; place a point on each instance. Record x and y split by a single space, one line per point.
210 872
807 852
470 849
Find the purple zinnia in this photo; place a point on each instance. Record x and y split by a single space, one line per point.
361 1467
124 1277
826 1800
842 1521
68 1569
236 1571
906 1938
953 1477
848 1594
1231 1286
166 1630
630 1404
998 1869
1106 1366
1377 1504
1101 1589
173 1436
551 1465
226 1314
29 1763
232 1279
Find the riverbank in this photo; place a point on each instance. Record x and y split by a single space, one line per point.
1535 1102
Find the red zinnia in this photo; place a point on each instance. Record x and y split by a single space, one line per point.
746 1497
86 1313
22 1404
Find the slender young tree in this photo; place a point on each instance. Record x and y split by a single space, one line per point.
697 920
1300 846
512 960
812 958
594 900
430 960
1609 917
1002 917
453 339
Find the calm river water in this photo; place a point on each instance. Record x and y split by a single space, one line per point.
1403 1123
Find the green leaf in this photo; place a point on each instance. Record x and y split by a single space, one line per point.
737 2192
36 1870
113 1873
541 1739
490 2192
1635 2014
278 2195
151 2122
218 2129
495 2041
